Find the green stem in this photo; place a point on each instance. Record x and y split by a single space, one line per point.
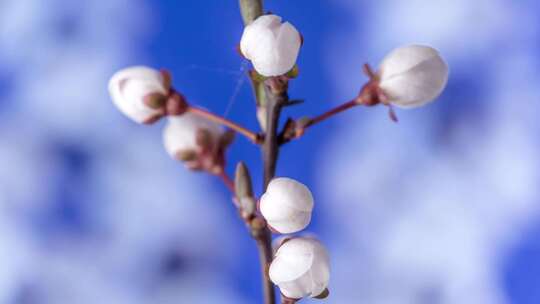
250 9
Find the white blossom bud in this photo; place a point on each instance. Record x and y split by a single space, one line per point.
412 76
129 88
181 132
286 205
271 46
301 268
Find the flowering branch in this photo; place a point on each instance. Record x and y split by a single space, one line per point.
269 107
276 97
408 77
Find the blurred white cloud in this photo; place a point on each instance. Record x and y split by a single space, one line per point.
139 208
425 219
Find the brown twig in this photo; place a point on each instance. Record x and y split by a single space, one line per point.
251 9
331 113
295 129
254 137
370 95
270 150
226 180
270 145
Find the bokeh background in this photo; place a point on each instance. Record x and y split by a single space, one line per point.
442 207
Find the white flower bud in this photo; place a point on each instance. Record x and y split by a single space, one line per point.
271 46
412 76
301 268
181 132
129 88
286 205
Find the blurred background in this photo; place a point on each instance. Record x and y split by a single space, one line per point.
442 207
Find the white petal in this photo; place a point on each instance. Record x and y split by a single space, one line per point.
255 42
291 193
119 101
139 81
404 58
412 76
135 90
320 270
289 42
180 132
271 46
296 222
293 259
268 21
278 210
297 289
258 33
419 85
287 205
301 268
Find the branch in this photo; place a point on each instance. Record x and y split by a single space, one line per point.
254 137
276 98
370 95
330 113
263 238
250 9
226 180
295 129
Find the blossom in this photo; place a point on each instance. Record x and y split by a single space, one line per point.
301 268
271 46
188 136
139 93
412 76
287 205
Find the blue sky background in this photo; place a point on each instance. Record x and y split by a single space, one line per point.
440 208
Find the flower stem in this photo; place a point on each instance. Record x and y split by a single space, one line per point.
226 180
250 9
270 145
331 113
295 129
254 137
270 150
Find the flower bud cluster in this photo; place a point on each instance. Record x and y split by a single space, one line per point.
145 95
301 267
409 76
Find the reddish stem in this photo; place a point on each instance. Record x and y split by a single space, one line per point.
226 180
254 137
331 113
